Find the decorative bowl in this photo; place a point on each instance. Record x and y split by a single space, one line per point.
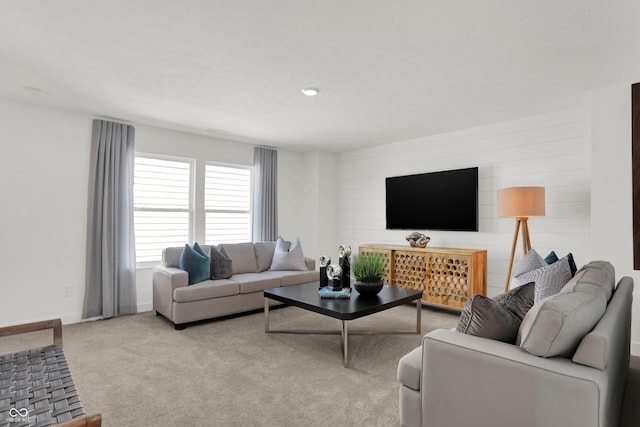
367 289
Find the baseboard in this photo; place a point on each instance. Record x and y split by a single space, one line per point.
635 348
68 319
147 306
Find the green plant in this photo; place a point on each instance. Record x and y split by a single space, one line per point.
368 267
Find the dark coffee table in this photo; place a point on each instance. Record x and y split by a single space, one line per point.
306 296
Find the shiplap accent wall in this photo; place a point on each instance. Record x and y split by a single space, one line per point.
550 150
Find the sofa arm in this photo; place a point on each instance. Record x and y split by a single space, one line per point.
467 380
166 280
169 278
311 263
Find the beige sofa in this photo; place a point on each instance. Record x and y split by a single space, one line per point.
461 380
243 291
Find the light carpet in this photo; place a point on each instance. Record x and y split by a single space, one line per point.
139 371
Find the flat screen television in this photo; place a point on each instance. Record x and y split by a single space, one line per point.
445 200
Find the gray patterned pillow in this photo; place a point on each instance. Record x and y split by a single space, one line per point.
531 261
518 300
221 264
548 279
484 317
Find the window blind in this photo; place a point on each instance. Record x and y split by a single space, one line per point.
227 203
162 205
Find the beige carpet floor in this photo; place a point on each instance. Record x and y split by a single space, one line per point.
138 371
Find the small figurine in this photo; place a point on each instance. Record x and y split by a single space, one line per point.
324 261
418 240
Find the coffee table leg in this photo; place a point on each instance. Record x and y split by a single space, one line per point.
266 315
345 343
419 317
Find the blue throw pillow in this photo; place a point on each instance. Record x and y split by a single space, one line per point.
551 258
197 248
194 263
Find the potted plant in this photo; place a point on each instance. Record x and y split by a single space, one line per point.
368 270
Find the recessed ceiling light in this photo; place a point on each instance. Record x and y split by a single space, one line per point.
310 91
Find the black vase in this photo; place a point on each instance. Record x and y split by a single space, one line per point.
345 264
324 280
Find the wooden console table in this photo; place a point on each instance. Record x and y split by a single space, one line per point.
447 277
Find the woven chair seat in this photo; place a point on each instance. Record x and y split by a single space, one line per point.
38 380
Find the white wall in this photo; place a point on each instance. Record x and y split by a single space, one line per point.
44 169
292 199
549 150
319 210
611 188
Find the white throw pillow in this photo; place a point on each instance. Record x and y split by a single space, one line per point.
288 256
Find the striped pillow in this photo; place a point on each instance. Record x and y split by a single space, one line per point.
531 261
548 279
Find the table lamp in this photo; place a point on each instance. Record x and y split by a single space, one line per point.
520 203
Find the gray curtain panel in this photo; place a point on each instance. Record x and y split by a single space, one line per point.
110 266
265 194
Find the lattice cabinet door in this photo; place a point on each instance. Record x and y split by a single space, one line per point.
410 269
386 253
448 279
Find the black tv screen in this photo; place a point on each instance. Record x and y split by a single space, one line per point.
445 200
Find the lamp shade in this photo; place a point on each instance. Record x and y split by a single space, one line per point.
517 202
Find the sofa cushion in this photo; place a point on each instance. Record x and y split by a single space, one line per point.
409 369
289 278
264 254
592 276
602 346
518 300
484 317
255 282
288 256
243 257
602 265
531 261
206 290
171 256
555 325
221 264
549 279
194 263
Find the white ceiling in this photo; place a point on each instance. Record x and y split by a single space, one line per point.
387 70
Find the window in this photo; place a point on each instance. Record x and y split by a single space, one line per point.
227 204
162 205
